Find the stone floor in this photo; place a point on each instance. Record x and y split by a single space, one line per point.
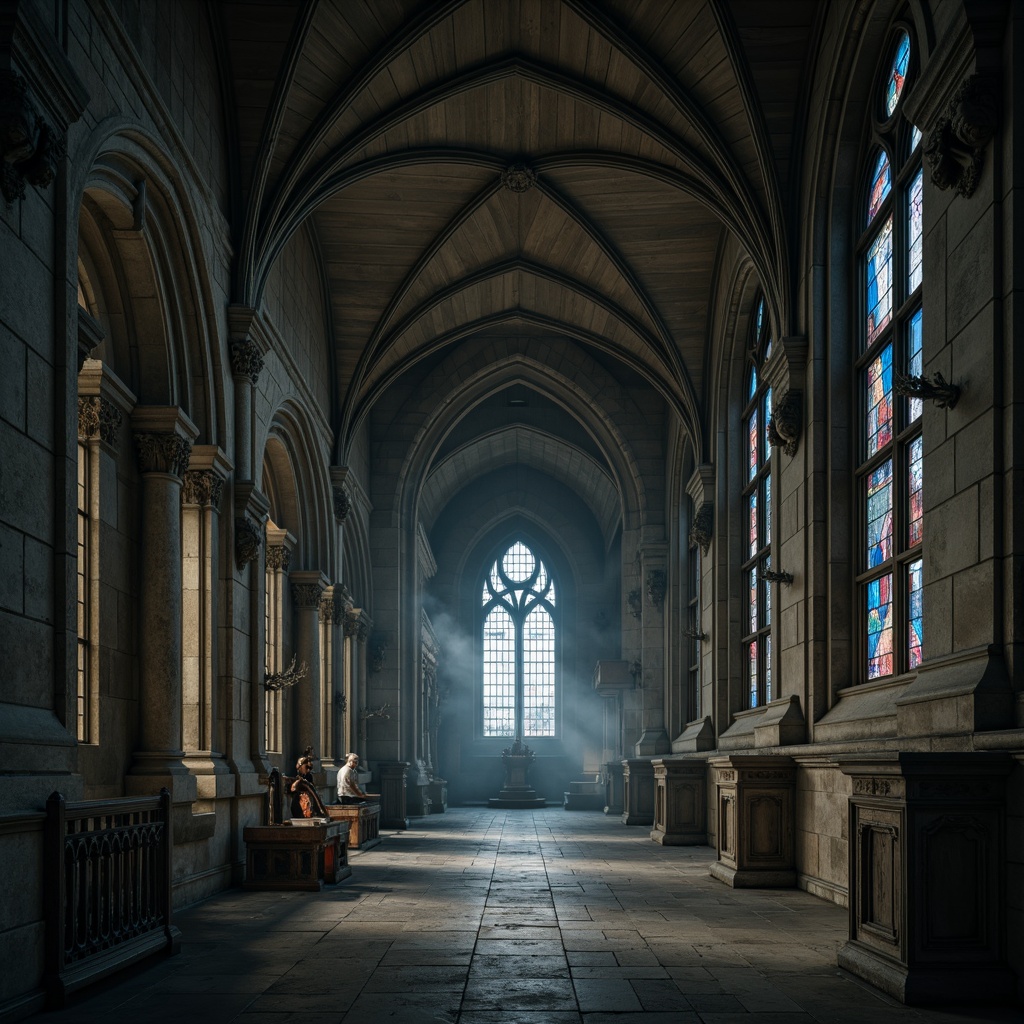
511 917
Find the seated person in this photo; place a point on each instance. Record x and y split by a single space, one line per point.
348 783
306 802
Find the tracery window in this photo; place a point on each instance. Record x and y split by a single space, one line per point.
757 505
519 646
889 474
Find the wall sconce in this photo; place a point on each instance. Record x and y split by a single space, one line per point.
770 576
937 390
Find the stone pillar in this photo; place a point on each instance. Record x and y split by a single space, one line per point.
755 821
200 530
654 738
307 592
637 792
927 875
613 787
680 803
163 438
393 813
246 365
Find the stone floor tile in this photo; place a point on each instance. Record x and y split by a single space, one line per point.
484 966
670 1017
424 978
518 1017
521 993
590 958
606 994
656 995
655 971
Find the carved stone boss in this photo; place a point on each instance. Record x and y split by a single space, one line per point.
248 538
246 360
955 147
342 503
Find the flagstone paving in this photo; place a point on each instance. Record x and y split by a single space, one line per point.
483 916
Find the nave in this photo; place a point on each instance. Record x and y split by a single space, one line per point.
511 917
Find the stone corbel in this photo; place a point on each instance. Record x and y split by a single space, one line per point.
656 586
251 510
30 149
98 418
634 603
955 147
785 373
163 439
103 403
700 490
208 468
249 343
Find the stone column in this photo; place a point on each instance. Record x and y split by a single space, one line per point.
246 365
163 437
202 735
307 697
654 738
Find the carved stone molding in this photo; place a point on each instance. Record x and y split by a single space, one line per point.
307 595
30 149
785 421
163 453
202 487
342 503
246 359
955 147
518 178
278 557
700 528
656 585
248 538
98 418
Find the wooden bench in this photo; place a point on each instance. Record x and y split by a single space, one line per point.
363 820
304 857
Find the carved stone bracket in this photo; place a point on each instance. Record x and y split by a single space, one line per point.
202 487
98 418
955 147
248 538
246 359
784 424
518 178
163 453
30 149
656 586
342 503
633 600
700 528
307 595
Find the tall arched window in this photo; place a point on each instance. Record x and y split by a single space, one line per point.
757 504
519 635
889 473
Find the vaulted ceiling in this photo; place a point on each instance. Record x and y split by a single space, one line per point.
571 170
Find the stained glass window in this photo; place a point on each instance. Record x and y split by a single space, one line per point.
519 646
758 503
890 467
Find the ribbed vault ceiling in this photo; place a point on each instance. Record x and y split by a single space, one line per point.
642 136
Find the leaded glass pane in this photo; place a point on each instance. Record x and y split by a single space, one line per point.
878 385
752 524
752 672
915 496
760 316
915 363
499 673
518 563
752 433
879 514
879 281
768 509
915 231
753 599
881 184
897 74
915 592
767 420
767 595
753 384
879 612
915 138
539 674
768 668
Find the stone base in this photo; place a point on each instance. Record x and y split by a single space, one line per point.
517 798
919 986
751 879
583 801
666 838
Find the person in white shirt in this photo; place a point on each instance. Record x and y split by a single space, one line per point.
348 782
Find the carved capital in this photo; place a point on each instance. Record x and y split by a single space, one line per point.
351 625
327 611
518 178
656 587
29 147
278 557
700 528
784 424
248 537
202 487
342 503
955 147
246 359
163 453
307 595
98 418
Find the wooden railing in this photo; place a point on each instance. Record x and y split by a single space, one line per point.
107 888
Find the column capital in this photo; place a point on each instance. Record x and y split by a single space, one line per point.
308 586
163 438
208 468
250 341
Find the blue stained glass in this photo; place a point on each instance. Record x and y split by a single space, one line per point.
753 383
752 672
878 385
767 596
881 184
768 668
768 509
879 514
753 600
915 231
760 317
915 619
878 271
752 435
753 523
879 612
767 420
897 73
915 489
914 363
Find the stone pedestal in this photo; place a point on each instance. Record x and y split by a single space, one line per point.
438 790
680 803
584 795
517 791
613 788
637 792
927 881
393 810
755 818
